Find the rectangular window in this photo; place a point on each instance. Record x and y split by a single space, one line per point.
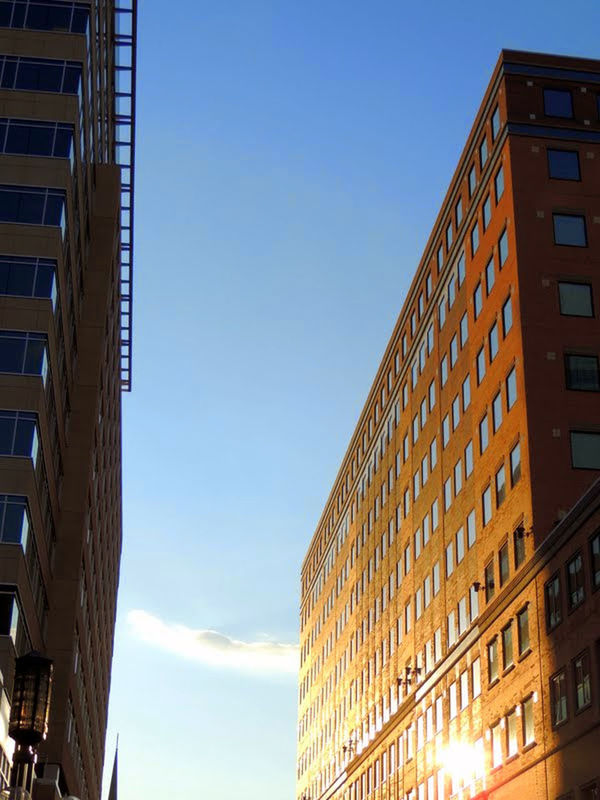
433 453
515 464
435 515
569 230
558 698
28 277
460 544
445 431
453 700
477 300
430 340
507 647
40 74
563 165
486 505
449 236
453 351
480 365
487 212
496 735
476 677
503 248
469 459
575 589
558 103
483 153
511 389
575 299
431 395
472 181
447 494
497 412
581 681
466 392
528 731
483 435
492 654
18 434
29 205
500 486
461 269
464 330
490 586
444 370
474 600
585 449
493 341
458 212
507 317
436 578
523 630
582 373
458 480
519 546
451 622
504 564
471 529
499 184
495 124
449 559
553 602
428 285
489 276
474 239
440 258
14 520
455 413
595 560
512 746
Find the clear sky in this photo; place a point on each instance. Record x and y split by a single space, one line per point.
291 158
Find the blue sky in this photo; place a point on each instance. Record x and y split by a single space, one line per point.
291 159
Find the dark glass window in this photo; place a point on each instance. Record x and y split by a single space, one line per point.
24 137
558 103
523 630
503 248
487 212
507 318
575 299
576 593
515 464
564 165
499 184
500 486
569 229
558 697
474 239
483 153
582 373
511 389
39 74
27 277
581 681
14 519
477 300
18 434
595 560
24 353
472 181
504 564
585 449
553 602
458 212
44 15
32 205
490 586
519 545
495 123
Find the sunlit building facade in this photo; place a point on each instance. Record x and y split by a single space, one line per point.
450 625
66 188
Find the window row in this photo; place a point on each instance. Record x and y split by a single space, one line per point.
573 575
45 15
40 74
31 138
28 277
579 678
508 646
31 205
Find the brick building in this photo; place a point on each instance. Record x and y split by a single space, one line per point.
449 614
66 181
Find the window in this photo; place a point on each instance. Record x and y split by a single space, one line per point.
447 494
433 453
449 559
582 373
496 735
474 600
451 622
503 248
595 560
45 16
558 103
476 677
563 165
440 258
474 239
575 590
421 305
40 74
413 323
480 365
415 428
483 153
460 542
511 389
471 529
431 395
507 647
464 330
569 229
558 698
575 299
453 351
18 434
504 564
436 578
28 277
461 269
423 412
483 435
492 654
458 481
29 205
444 370
499 184
458 212
435 515
469 459
29 138
523 630
430 340
14 520
487 212
23 353
497 412
472 181
528 734
507 318
512 746
455 413
446 431
500 486
490 586
489 275
477 300
585 449
466 393
493 341
581 681
9 615
515 464
486 505
428 285
449 236
404 345
495 123
453 700
553 602
519 546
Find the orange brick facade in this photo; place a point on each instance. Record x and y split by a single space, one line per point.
433 660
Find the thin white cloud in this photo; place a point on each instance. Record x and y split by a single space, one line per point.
212 647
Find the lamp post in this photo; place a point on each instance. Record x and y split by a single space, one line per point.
28 723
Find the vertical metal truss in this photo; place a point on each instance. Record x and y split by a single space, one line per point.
125 27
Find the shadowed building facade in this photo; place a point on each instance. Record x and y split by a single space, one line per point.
449 608
66 180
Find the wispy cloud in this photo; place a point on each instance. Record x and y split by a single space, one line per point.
212 647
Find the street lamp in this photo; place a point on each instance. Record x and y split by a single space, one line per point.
28 723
